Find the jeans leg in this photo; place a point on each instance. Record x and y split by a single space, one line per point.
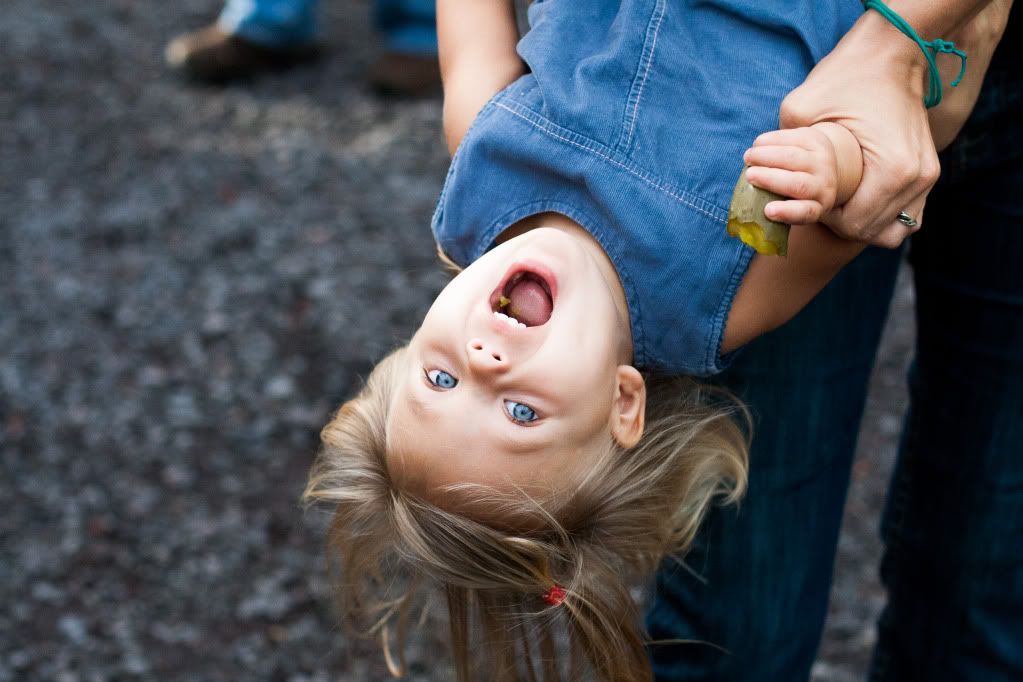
953 526
273 23
765 568
408 26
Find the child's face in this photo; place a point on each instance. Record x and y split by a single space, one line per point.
486 401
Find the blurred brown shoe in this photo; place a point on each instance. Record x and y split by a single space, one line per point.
406 75
213 56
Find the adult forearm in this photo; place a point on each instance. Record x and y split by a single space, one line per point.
881 41
936 18
873 84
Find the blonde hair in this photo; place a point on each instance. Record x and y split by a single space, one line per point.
637 507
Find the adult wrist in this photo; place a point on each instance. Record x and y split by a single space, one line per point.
874 39
928 48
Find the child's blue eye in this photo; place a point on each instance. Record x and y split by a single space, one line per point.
519 412
441 379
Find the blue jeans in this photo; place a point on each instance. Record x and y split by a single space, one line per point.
407 26
953 523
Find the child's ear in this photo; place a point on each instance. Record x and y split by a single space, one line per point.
629 408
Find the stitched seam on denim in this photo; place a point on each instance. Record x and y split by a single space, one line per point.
544 126
717 336
469 133
498 224
645 62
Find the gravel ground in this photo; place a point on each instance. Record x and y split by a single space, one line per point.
191 279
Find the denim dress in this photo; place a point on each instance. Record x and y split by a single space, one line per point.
632 122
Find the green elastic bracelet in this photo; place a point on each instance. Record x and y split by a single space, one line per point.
930 50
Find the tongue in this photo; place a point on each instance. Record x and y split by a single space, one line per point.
530 304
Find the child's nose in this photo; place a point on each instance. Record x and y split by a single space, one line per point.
485 357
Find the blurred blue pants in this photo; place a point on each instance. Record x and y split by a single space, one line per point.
953 523
408 26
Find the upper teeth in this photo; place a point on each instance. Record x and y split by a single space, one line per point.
510 320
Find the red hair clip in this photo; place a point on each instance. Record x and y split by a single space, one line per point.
554 596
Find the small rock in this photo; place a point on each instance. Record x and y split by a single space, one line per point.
281 386
73 628
215 324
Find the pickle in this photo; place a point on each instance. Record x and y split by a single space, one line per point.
746 219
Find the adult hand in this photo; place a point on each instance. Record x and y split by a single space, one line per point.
872 84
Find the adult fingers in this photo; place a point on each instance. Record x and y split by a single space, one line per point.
892 236
885 190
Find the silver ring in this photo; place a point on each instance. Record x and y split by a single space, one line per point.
906 219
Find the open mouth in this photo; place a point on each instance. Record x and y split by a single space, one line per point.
525 297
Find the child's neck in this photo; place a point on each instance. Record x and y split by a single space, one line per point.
568 226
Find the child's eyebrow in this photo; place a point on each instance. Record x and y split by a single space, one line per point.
522 446
418 406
